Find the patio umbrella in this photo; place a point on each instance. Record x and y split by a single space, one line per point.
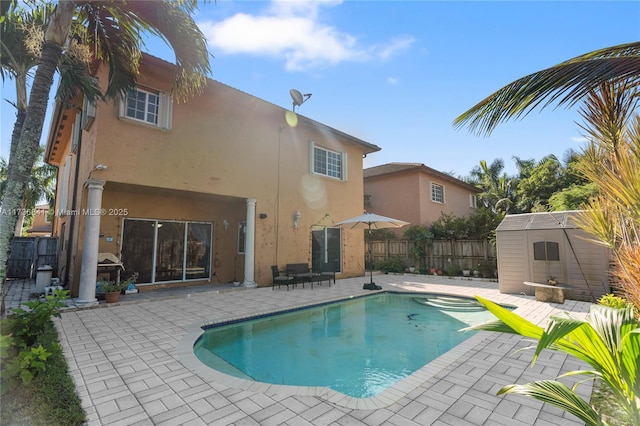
371 221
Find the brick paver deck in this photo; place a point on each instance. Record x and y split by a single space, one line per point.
131 367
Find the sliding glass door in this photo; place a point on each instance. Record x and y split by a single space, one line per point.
163 251
326 247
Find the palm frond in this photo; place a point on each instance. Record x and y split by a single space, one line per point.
558 394
564 84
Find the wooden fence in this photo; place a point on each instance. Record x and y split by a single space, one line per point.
29 253
440 254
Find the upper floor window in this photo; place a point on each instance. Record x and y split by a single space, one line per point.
437 192
152 108
473 201
328 163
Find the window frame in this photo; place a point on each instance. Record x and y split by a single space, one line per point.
242 237
473 201
342 156
164 108
433 193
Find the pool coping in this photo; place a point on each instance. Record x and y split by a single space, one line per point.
383 399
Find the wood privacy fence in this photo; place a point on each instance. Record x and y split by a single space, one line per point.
440 254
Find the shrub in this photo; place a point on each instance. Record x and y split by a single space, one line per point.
395 264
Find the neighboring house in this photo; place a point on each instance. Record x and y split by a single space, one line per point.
41 225
416 193
216 189
538 246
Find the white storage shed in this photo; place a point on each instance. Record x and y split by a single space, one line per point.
537 246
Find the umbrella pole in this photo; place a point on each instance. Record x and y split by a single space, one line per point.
371 285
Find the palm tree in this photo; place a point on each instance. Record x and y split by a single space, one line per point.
565 84
497 188
114 31
41 185
612 162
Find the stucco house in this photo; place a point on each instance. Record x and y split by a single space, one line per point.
416 193
41 225
213 190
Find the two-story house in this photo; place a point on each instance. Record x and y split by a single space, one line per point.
216 189
416 193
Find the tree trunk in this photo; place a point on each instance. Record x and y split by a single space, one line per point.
26 152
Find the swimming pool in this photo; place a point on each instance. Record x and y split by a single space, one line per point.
358 347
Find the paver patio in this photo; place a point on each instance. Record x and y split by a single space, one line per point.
131 367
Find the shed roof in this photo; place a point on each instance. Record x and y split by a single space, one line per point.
543 220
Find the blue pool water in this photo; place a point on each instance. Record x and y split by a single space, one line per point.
358 347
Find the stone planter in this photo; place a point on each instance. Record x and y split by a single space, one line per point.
466 272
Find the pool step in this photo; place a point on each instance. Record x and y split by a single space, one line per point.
450 303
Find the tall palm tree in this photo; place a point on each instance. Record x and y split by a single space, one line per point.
114 31
497 188
565 84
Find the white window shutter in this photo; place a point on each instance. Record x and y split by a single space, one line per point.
165 111
344 166
122 105
312 153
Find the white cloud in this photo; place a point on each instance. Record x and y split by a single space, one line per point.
392 80
291 31
579 139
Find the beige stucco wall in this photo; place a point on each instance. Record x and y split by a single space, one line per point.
224 147
407 196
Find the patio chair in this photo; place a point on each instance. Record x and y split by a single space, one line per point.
327 271
279 279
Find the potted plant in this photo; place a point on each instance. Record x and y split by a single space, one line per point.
112 289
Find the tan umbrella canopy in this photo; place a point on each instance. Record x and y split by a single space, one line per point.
371 221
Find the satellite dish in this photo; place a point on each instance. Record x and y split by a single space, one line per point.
298 98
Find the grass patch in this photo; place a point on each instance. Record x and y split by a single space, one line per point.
50 398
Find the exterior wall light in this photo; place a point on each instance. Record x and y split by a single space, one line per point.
296 219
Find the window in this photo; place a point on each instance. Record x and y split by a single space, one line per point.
242 235
473 201
328 163
546 250
147 107
437 193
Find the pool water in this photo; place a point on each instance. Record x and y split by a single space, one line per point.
358 347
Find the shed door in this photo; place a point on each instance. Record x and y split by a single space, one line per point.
547 259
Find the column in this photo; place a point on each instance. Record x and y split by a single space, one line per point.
249 249
89 266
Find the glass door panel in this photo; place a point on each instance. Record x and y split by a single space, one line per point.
170 251
326 248
137 249
198 261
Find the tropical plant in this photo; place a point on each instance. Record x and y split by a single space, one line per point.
41 186
498 189
612 162
114 29
565 84
608 340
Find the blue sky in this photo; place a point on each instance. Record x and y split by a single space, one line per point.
397 73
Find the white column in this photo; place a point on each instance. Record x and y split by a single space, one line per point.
250 239
89 267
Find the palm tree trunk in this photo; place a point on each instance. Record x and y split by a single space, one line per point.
26 152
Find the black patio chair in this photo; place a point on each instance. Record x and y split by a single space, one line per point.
279 279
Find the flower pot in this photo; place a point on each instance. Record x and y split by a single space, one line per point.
466 272
476 274
412 269
112 297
